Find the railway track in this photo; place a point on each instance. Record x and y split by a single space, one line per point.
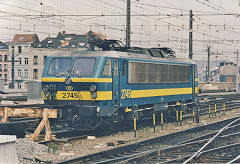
168 147
29 124
193 151
230 101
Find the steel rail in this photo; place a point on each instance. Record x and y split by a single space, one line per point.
133 147
209 135
234 160
128 158
211 140
225 147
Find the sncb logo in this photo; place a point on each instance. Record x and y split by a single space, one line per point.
69 88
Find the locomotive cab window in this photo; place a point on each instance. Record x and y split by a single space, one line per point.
107 68
83 66
60 66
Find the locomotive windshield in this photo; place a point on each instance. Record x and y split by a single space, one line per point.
65 66
83 66
60 66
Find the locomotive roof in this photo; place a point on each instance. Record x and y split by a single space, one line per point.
119 54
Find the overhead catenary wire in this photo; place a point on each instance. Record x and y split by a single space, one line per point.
143 29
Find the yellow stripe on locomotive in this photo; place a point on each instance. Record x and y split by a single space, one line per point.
96 80
107 95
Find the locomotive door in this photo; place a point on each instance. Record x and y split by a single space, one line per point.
125 92
115 82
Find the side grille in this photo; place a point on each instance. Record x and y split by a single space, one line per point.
52 87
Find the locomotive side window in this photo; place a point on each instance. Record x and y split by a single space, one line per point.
107 68
60 66
83 66
115 67
124 67
140 72
153 72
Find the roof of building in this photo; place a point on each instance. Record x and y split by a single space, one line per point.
96 36
25 38
64 40
3 45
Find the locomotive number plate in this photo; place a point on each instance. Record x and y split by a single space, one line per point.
70 95
126 93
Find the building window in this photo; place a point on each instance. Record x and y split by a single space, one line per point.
44 59
0 67
0 76
19 73
19 86
5 77
12 49
35 60
35 74
5 58
26 61
19 49
0 57
5 68
20 60
26 73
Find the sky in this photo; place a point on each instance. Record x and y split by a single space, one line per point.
154 23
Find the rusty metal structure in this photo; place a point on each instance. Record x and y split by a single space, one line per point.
45 114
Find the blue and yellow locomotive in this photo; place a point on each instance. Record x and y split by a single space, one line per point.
88 87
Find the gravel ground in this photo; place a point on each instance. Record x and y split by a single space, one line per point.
28 149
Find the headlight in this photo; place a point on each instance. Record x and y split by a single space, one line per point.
98 109
93 95
46 87
68 80
93 88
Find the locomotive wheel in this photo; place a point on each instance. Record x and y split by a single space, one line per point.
94 122
76 121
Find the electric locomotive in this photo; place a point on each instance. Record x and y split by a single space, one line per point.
89 87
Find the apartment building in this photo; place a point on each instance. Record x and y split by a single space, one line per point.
4 62
20 46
